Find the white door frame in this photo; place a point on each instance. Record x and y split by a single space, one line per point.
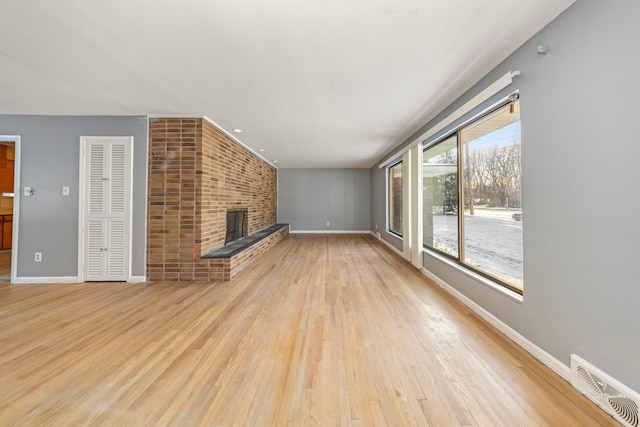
16 203
82 202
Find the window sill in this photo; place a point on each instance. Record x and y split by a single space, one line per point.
394 234
475 276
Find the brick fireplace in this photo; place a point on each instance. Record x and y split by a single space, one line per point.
196 174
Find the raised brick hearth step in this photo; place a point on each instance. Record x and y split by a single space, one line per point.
234 248
226 262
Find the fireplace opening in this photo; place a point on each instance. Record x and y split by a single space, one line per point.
236 225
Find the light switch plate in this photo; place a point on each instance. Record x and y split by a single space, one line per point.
65 190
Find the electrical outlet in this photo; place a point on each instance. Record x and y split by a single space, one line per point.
328 223
38 257
65 190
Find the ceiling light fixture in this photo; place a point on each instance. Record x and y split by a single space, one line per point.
236 130
262 150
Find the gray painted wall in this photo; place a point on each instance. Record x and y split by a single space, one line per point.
580 188
51 159
308 198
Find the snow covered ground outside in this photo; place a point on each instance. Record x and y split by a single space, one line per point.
493 241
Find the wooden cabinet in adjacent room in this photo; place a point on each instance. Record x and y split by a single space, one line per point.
7 167
6 230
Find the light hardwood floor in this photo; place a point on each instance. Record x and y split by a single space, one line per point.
321 330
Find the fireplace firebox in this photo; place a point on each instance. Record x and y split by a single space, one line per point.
236 225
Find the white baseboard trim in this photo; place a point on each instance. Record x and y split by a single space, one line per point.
329 231
554 364
46 280
137 279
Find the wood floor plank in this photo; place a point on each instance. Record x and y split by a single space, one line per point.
321 330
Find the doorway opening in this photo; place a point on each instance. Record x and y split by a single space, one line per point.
9 171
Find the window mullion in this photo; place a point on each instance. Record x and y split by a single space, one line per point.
460 181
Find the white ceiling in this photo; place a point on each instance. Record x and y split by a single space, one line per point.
315 83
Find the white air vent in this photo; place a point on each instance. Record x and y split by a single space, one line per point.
612 396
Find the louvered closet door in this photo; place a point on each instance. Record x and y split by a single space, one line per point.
107 213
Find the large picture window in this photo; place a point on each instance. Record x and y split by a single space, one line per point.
473 195
395 198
